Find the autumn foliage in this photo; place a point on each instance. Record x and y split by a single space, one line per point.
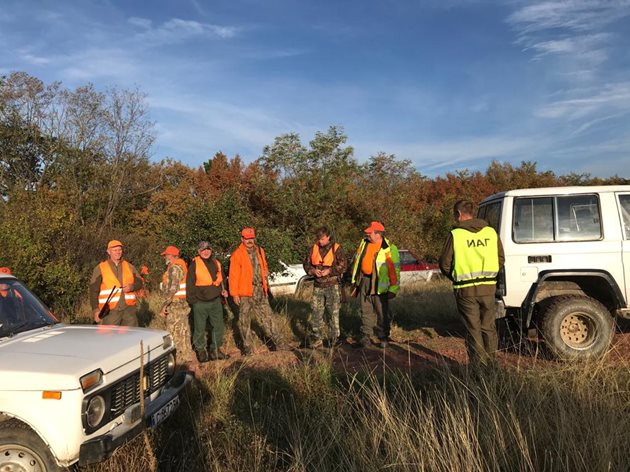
75 172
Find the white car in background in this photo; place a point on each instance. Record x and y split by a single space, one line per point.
72 393
293 279
289 280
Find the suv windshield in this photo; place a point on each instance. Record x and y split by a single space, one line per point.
20 310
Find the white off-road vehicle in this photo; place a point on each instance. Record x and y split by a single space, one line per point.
567 264
72 393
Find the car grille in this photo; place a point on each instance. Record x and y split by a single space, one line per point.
126 392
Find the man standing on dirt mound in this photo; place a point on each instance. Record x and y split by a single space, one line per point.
249 290
204 289
325 262
175 308
376 278
471 258
115 272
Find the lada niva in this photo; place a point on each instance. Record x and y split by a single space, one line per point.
74 393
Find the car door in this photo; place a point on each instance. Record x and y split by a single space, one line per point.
623 200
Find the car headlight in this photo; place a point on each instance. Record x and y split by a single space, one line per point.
91 380
95 411
170 365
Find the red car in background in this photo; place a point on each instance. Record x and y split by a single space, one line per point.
412 268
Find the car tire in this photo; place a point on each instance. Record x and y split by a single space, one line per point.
22 449
576 327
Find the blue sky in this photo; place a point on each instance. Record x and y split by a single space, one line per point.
447 84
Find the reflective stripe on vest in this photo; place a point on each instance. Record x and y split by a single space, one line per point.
476 257
181 293
203 278
329 258
109 280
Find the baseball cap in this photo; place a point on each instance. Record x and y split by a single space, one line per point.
114 243
374 226
170 250
248 233
203 245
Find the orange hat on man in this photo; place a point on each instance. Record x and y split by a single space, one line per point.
5 270
114 243
248 233
374 226
170 251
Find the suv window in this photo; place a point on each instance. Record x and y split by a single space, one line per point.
492 214
533 220
562 218
578 218
624 204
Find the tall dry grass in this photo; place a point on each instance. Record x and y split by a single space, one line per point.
546 416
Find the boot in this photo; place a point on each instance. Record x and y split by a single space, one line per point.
202 356
218 355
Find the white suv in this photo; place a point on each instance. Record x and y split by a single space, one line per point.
567 263
73 393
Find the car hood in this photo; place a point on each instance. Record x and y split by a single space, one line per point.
54 358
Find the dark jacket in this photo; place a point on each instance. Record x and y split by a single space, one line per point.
196 294
446 259
336 271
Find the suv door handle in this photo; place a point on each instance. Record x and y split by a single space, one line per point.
538 259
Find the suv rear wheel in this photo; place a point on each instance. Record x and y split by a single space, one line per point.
576 327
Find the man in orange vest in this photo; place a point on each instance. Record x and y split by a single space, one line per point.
249 290
119 278
204 289
174 305
326 262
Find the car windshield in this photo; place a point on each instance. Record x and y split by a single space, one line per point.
20 310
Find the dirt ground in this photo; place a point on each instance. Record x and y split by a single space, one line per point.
411 351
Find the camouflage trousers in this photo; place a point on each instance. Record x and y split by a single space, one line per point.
325 298
256 308
178 325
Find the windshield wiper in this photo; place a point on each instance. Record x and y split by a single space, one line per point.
12 330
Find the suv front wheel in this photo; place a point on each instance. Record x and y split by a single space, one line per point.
576 327
22 449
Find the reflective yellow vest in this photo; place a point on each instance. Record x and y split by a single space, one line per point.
386 266
476 260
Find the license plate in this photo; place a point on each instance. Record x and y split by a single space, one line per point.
164 412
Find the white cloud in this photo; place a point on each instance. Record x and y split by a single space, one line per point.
451 154
573 28
586 102
576 15
177 30
35 60
143 23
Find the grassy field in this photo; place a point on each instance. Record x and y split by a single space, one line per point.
309 416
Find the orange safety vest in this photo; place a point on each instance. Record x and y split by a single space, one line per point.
241 279
328 260
109 280
203 278
181 292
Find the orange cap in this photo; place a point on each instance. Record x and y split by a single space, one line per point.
114 243
144 270
171 251
5 270
248 233
374 226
